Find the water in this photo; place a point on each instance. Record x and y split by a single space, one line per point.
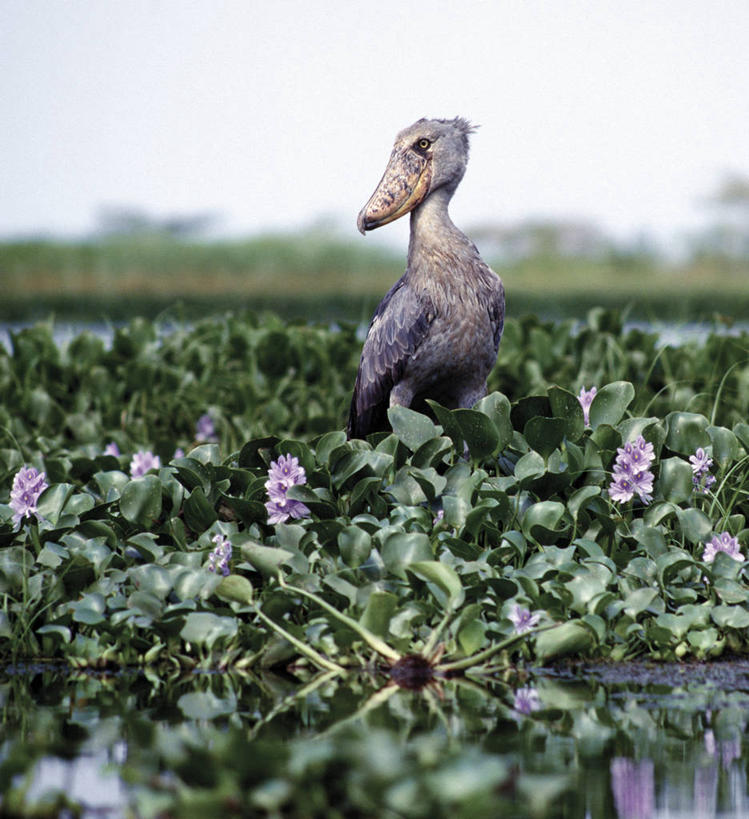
670 333
630 741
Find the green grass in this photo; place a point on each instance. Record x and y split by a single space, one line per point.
315 276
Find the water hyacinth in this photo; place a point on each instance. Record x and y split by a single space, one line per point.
632 475
723 542
526 700
205 429
284 473
112 449
142 462
586 399
28 485
218 560
701 477
522 619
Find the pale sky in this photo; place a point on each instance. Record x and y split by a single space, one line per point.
276 114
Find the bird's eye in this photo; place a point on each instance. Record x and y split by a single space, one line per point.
423 144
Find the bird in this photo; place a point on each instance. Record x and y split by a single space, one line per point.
436 333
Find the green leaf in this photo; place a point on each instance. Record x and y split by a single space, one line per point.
140 502
685 432
695 525
529 466
611 403
61 631
235 588
205 628
479 433
378 612
581 497
671 563
544 435
541 521
411 427
497 407
639 600
190 584
730 616
741 431
729 590
675 480
443 581
566 405
199 511
265 559
432 452
355 545
725 446
403 548
52 501
153 579
146 604
205 705
449 423
569 638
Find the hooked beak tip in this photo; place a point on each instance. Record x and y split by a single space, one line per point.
361 224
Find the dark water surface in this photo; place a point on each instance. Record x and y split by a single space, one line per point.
628 741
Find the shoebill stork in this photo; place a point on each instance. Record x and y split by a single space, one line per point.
437 331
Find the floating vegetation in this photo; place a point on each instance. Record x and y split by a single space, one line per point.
442 537
146 497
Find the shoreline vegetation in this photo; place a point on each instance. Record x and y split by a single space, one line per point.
191 501
318 277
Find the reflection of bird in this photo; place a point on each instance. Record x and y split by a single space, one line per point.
436 333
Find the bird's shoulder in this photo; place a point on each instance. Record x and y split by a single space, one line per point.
399 325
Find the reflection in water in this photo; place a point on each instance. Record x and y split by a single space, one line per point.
546 744
633 785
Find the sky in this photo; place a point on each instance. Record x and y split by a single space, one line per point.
278 115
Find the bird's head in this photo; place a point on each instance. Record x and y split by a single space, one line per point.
430 154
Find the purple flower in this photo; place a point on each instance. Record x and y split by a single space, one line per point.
642 484
218 559
205 429
631 474
633 786
28 484
701 462
621 488
586 399
178 453
701 478
526 700
112 449
522 619
437 519
722 543
283 473
142 462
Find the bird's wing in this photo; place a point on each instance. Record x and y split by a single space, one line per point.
496 308
398 327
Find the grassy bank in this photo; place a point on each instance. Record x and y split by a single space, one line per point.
318 277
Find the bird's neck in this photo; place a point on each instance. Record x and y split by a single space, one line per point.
433 234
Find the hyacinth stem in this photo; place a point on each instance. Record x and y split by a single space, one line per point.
482 656
372 640
377 699
316 657
436 632
297 695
